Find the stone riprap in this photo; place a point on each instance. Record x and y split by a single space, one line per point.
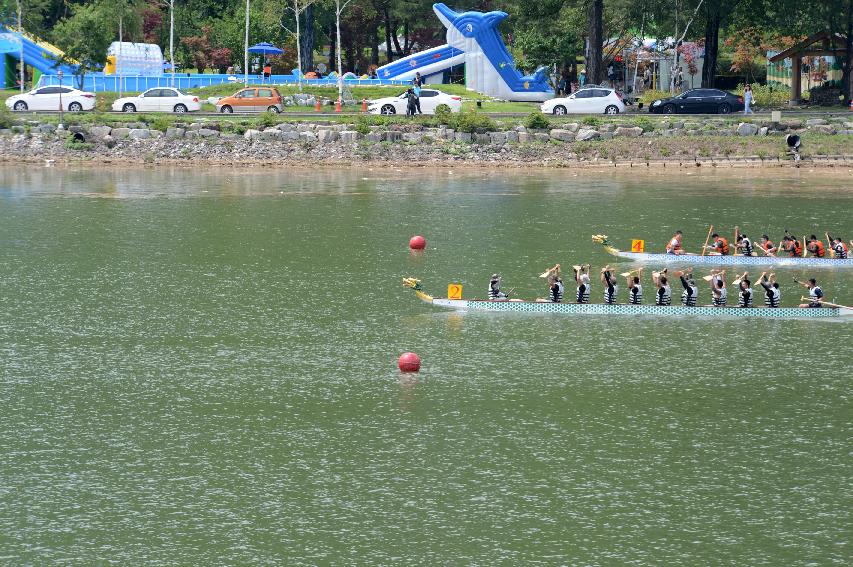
397 142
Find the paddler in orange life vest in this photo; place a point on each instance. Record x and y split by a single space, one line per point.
792 246
720 247
674 246
816 247
767 245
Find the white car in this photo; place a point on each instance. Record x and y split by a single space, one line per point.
47 98
159 99
596 100
430 100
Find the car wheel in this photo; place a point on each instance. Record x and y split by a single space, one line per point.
128 107
669 109
724 108
180 108
612 109
20 106
226 110
388 109
560 110
274 109
75 107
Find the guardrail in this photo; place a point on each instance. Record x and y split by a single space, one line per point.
111 83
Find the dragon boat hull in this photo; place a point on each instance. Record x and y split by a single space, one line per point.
625 309
731 260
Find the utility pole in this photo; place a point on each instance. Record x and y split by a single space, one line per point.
21 39
246 53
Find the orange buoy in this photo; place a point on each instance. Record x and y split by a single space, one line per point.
338 105
317 105
417 242
364 105
409 362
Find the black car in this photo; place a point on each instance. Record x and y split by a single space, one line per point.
699 101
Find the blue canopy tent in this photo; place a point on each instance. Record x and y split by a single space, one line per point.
266 49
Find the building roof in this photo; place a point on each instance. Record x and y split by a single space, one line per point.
831 44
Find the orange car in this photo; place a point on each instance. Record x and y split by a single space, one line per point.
252 99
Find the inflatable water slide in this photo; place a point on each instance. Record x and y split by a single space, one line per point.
473 39
38 54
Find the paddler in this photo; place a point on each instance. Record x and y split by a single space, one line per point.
555 285
611 287
816 247
792 246
691 292
582 279
663 293
495 293
744 244
772 295
745 293
719 292
839 248
635 290
720 246
815 293
767 245
674 246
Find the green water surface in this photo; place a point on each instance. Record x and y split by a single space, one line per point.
199 368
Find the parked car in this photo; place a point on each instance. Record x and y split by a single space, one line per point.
260 99
47 98
588 100
698 101
430 100
158 100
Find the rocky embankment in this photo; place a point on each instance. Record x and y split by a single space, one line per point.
637 140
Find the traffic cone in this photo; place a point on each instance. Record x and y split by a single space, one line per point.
364 105
338 105
317 106
851 105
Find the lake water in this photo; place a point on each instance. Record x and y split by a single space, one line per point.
200 368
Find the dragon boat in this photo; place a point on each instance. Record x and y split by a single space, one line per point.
681 259
519 306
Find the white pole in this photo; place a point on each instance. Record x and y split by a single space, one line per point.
172 39
338 49
246 54
298 45
21 40
120 41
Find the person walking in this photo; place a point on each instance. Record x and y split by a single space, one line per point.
647 78
582 78
411 102
747 99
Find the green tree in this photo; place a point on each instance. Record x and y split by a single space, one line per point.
86 35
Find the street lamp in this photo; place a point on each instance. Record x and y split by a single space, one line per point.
59 74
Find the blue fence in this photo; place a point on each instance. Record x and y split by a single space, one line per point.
98 82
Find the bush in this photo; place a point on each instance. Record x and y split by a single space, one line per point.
473 122
767 96
161 123
537 121
266 120
443 114
593 121
6 120
73 144
644 123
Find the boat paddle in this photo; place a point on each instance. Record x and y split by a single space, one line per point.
829 245
822 302
707 238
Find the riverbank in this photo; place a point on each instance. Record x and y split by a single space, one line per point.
664 142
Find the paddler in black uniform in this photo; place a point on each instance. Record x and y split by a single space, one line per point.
611 287
495 293
815 293
582 279
691 292
772 295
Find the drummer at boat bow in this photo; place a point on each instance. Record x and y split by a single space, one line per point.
772 295
720 247
495 293
691 292
816 247
674 246
719 292
663 293
815 293
635 290
745 294
582 279
611 287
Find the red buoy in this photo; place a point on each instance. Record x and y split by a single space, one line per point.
417 242
409 362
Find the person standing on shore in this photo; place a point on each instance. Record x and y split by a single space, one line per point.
747 99
411 102
417 91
